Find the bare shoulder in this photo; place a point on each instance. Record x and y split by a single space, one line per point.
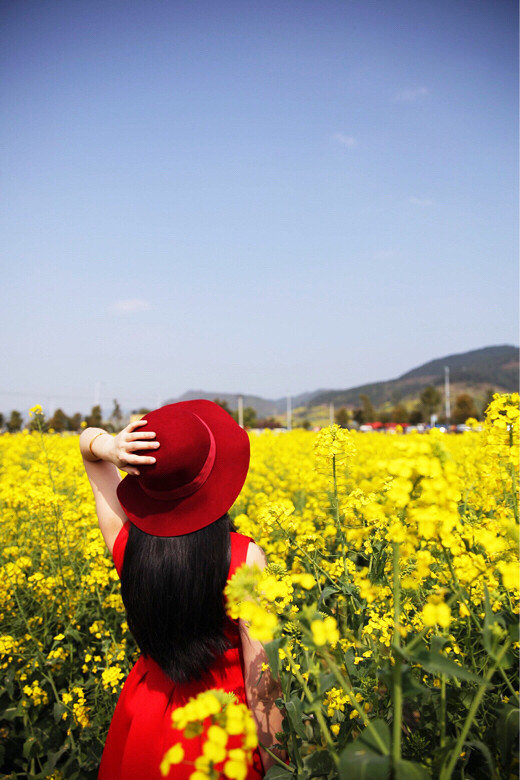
255 554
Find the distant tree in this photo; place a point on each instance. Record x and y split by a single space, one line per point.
384 417
95 418
342 417
430 400
416 415
75 422
14 422
142 411
368 410
359 416
59 421
2 420
250 419
487 400
268 422
400 413
464 408
306 424
116 418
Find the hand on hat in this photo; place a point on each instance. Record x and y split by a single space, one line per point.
124 446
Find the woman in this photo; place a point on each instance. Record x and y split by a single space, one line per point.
167 528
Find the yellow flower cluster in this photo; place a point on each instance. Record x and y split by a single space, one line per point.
256 597
334 443
221 720
79 708
36 694
111 678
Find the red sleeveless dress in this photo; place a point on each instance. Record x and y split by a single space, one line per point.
141 729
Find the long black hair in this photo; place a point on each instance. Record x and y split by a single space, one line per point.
172 589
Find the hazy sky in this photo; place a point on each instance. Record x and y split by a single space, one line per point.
262 197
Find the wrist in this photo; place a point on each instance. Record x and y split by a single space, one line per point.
96 443
93 444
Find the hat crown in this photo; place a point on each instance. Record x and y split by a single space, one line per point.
200 468
185 446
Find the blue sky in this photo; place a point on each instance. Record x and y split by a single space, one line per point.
258 197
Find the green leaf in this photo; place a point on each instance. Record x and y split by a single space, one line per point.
514 632
409 770
437 643
357 762
271 649
318 763
507 731
72 633
295 715
277 772
58 711
349 663
32 748
12 712
327 680
435 663
369 739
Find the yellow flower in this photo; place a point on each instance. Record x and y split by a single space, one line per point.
325 631
436 614
173 756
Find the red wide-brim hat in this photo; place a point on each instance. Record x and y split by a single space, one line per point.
200 469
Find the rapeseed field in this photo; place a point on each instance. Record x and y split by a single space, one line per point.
389 608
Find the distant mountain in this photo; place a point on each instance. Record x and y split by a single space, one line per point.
265 407
474 372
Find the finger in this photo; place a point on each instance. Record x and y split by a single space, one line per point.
130 446
143 459
140 435
131 470
135 424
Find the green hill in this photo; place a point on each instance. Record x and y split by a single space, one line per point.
474 372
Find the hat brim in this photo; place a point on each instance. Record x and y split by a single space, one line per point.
213 499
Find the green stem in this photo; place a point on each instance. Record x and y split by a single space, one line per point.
278 760
319 715
508 683
361 712
336 517
396 672
443 710
306 555
447 771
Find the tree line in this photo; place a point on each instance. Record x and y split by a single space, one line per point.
430 402
61 422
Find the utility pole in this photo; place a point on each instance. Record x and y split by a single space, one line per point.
331 413
447 404
289 413
240 411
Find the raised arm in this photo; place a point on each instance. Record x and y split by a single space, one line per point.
261 688
103 456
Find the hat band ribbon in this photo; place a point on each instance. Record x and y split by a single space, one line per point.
190 487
